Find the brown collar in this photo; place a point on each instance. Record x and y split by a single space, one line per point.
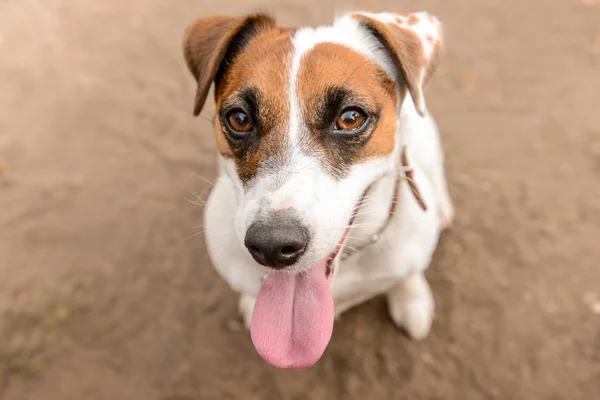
405 172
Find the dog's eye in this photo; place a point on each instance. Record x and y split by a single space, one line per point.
350 119
239 121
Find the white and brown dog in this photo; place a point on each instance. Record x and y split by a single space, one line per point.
331 186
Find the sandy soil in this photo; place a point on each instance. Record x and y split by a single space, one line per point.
106 291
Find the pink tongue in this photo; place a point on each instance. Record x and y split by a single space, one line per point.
292 319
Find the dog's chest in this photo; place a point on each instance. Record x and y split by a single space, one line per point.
405 247
374 271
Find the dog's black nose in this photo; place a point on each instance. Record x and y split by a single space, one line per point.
278 241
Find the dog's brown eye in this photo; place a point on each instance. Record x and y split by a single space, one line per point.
349 120
239 121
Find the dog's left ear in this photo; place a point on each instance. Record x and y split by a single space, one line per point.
414 42
211 44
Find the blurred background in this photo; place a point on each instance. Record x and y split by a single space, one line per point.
106 291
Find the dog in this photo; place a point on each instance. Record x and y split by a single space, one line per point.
331 186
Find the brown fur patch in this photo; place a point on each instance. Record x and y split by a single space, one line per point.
262 68
412 19
367 85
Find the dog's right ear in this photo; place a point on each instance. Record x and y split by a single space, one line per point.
211 44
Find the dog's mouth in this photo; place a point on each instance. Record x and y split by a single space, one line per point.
293 316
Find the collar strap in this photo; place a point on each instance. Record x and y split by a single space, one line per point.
409 175
405 172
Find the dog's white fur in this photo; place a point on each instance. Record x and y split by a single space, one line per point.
394 265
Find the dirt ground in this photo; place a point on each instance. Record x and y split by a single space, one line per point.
106 291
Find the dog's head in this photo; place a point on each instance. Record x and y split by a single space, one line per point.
306 119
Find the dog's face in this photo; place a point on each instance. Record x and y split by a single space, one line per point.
306 120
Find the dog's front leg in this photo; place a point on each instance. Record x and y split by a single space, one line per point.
246 306
411 305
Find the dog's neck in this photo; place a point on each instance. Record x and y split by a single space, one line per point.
377 221
373 214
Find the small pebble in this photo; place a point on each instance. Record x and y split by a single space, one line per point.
549 230
4 166
486 186
427 358
592 300
61 314
565 169
590 297
456 248
471 79
550 308
234 325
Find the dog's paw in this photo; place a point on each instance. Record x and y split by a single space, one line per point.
411 307
414 317
246 306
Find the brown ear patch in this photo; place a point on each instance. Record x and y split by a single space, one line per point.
414 41
212 43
